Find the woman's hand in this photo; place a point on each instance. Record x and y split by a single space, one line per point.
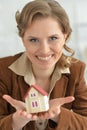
20 117
54 108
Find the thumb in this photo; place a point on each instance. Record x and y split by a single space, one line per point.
66 100
15 103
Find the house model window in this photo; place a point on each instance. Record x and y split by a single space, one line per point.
33 95
34 104
36 99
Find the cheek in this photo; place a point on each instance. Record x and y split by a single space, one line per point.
58 51
29 48
59 48
29 51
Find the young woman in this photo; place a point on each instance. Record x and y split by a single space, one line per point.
45 29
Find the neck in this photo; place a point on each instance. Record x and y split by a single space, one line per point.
42 77
42 74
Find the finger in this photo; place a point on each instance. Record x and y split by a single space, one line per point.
34 117
9 99
66 100
16 104
25 114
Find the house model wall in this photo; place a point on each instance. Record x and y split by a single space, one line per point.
36 100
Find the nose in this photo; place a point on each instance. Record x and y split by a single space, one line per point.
44 47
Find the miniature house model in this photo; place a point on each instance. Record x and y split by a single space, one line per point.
36 100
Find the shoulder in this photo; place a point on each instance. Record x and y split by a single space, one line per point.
77 65
6 61
77 69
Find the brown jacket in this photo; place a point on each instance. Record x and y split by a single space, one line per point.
73 115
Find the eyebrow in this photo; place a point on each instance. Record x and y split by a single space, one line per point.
39 37
32 37
54 35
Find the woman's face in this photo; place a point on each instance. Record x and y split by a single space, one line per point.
44 41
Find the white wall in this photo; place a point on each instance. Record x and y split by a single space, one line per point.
10 42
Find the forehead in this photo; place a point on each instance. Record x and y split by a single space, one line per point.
44 20
44 25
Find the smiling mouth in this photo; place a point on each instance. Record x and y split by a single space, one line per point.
44 58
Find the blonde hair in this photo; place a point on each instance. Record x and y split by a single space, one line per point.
42 9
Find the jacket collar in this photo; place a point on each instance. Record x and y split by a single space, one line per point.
22 66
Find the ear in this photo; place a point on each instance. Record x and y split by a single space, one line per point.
65 36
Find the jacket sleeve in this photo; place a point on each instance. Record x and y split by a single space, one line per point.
76 118
5 116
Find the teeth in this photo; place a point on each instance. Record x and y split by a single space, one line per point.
44 58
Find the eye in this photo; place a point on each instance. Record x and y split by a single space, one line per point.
53 38
33 40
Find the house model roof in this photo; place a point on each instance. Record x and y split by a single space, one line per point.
38 88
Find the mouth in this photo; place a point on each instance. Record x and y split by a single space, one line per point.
46 58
